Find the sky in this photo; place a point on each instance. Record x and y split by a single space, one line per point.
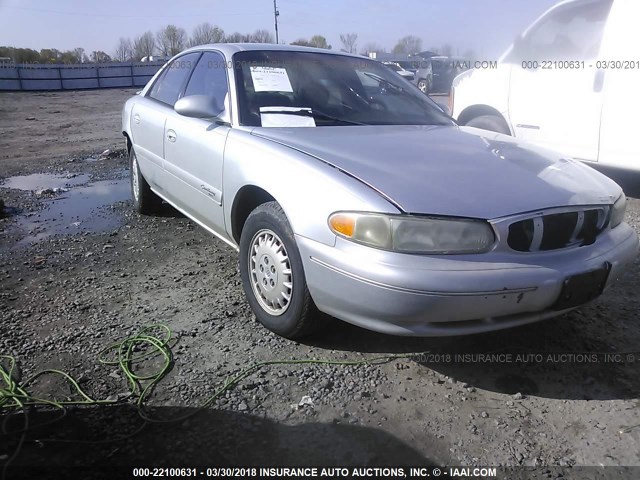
485 26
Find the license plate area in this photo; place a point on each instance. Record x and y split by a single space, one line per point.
582 288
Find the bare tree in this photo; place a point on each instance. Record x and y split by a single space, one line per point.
80 56
262 36
124 50
206 33
349 42
68 57
171 40
301 42
98 56
237 37
49 55
446 50
144 45
317 41
372 47
409 44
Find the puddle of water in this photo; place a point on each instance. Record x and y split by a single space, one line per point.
77 211
43 181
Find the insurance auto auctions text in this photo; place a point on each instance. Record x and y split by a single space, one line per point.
378 472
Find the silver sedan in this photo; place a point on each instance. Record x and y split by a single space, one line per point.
348 191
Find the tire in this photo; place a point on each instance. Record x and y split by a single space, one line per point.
493 123
271 269
423 85
144 200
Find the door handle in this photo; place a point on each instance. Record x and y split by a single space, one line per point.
136 118
171 136
598 81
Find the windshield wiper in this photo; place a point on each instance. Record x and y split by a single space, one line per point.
314 113
385 82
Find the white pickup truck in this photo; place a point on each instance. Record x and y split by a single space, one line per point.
570 82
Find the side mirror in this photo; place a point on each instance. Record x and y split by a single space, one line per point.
198 106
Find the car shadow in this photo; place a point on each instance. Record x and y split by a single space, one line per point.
564 358
168 211
111 436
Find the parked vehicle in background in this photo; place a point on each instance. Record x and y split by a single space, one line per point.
444 70
409 65
424 76
347 191
406 74
570 82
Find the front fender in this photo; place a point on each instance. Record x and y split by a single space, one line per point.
126 117
308 189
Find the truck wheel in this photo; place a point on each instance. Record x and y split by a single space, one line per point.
272 274
493 123
423 85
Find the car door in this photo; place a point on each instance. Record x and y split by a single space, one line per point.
621 76
149 114
555 97
194 148
438 67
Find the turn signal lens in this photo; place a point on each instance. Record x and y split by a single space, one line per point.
343 223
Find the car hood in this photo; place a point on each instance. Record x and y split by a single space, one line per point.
449 170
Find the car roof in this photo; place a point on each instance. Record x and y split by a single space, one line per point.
230 48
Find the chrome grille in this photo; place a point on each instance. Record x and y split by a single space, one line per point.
553 231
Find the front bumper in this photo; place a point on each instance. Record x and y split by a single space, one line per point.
404 294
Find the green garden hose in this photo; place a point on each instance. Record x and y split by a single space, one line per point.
15 396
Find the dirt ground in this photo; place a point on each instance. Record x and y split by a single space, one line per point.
79 270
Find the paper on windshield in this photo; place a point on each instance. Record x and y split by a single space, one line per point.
270 79
270 117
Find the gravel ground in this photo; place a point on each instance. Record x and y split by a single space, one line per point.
73 283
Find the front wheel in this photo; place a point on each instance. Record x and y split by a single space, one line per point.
493 123
272 273
423 85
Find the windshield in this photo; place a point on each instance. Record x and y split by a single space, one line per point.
332 89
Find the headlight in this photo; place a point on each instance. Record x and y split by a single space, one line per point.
408 234
618 211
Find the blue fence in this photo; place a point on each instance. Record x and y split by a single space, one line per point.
16 77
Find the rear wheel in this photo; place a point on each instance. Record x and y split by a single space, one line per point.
144 200
493 123
272 273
